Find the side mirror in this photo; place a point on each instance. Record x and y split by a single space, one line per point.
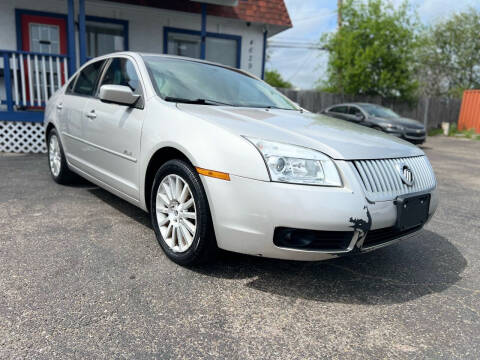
118 94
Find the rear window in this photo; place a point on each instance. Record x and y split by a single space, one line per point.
71 85
339 109
354 111
87 79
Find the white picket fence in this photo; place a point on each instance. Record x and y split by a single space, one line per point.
29 80
34 77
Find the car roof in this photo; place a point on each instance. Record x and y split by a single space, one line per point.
370 104
344 104
356 104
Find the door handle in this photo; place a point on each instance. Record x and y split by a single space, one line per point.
91 115
59 106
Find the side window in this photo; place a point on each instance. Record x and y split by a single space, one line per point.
122 72
87 79
339 109
71 84
354 111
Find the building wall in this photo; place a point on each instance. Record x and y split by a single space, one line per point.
145 26
8 33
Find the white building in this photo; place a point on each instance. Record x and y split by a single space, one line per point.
43 42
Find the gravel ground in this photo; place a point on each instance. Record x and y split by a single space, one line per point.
81 276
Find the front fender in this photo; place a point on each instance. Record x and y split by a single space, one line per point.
203 143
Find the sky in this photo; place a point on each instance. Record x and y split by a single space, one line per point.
312 18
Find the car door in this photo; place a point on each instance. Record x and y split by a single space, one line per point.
71 108
113 130
356 115
64 107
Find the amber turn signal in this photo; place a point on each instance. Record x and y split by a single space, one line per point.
214 174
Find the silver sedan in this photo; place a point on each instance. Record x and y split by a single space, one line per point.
222 160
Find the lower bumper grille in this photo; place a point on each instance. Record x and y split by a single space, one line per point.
416 134
312 239
381 236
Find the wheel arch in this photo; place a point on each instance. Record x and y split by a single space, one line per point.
49 127
160 157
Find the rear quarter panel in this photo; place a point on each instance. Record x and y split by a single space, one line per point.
51 115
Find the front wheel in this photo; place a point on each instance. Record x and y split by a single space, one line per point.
180 214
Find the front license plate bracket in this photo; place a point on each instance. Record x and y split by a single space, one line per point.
412 211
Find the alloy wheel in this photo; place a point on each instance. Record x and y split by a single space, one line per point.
176 213
54 155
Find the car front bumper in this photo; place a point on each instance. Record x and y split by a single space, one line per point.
416 136
246 212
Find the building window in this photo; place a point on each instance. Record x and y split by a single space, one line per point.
104 37
220 48
184 45
223 51
44 38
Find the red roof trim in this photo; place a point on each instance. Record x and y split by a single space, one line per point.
273 12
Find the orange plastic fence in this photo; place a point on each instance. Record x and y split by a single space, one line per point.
470 111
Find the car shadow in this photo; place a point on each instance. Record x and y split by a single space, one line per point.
424 264
425 147
123 206
80 182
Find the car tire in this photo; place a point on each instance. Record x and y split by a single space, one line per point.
180 214
57 162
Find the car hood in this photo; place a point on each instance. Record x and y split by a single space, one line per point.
405 122
336 138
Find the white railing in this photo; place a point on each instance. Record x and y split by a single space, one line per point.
30 79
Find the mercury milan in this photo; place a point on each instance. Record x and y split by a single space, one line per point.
222 160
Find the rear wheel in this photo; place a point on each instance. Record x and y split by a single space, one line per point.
180 214
56 160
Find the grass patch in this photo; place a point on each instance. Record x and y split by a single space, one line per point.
469 134
453 131
435 132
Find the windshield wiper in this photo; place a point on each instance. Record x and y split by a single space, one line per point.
195 101
269 107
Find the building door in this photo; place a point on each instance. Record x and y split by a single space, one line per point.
45 35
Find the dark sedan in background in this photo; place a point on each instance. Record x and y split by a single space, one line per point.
380 118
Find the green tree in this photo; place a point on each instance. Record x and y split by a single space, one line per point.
373 52
273 78
450 56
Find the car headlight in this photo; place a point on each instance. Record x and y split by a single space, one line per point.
296 164
389 126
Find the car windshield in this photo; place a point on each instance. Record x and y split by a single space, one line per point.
379 111
182 80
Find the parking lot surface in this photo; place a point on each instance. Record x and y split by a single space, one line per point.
82 276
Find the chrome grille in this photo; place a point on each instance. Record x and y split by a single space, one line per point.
381 178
